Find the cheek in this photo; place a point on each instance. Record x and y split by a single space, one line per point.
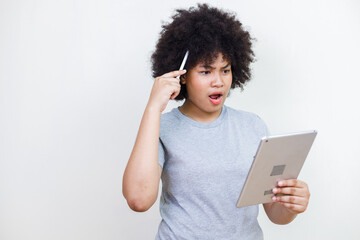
228 85
229 82
230 79
196 86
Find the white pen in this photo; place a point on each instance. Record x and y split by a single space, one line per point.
183 62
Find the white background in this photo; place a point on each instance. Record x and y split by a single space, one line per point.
75 78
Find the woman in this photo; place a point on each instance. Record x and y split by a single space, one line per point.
202 150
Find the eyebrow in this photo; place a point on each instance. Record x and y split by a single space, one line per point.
207 66
211 67
226 65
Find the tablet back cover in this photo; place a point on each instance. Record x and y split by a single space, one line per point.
277 158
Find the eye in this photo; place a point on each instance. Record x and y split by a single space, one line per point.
205 72
226 71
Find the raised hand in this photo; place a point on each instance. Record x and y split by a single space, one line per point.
165 87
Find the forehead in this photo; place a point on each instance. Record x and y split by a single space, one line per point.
216 60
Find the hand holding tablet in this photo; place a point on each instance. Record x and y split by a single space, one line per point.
292 194
278 158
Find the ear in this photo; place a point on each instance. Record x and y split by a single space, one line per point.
183 79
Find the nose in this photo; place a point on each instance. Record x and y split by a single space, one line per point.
217 81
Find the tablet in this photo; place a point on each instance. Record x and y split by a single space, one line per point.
277 158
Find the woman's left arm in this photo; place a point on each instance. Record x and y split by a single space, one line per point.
291 198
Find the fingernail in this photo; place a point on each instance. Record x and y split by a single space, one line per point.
274 198
280 183
275 190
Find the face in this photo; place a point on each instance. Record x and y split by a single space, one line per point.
207 86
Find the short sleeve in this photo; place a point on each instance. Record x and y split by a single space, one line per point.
263 127
161 156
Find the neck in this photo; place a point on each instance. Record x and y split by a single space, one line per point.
193 112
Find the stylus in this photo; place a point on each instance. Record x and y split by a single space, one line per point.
183 61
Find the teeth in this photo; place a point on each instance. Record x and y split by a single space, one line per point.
215 96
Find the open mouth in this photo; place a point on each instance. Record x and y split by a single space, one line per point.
215 98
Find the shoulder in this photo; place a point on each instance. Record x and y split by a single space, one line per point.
247 119
170 117
170 121
243 115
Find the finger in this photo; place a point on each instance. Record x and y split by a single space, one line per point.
174 73
290 191
291 199
291 183
296 208
169 80
171 85
294 204
176 92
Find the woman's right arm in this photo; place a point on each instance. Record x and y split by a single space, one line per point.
142 174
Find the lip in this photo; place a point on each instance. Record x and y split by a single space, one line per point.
217 100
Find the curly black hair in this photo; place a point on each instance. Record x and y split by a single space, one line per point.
204 31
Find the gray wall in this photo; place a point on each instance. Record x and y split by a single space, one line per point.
75 78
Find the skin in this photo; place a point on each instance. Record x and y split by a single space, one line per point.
142 174
295 200
202 81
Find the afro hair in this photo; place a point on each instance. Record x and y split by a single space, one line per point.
204 31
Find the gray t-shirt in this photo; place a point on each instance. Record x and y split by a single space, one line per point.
204 169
